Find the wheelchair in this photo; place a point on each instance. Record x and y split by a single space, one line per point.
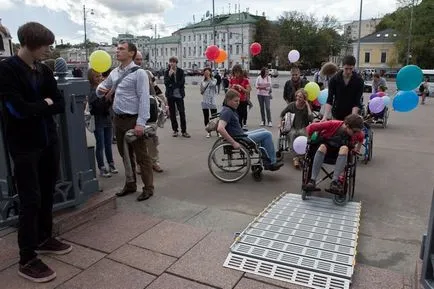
381 118
230 165
368 144
348 180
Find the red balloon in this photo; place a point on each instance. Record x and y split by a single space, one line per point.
255 48
212 52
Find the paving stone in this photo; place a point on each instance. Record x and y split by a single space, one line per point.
221 220
204 262
80 256
373 277
168 281
9 252
109 274
10 279
170 238
109 234
279 283
249 284
142 259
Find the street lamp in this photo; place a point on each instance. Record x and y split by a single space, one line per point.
85 32
155 45
409 35
360 34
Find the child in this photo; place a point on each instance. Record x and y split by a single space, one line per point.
381 92
335 138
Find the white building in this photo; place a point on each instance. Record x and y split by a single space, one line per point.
234 33
77 56
6 47
162 49
368 27
142 42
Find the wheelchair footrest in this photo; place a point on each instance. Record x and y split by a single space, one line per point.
334 192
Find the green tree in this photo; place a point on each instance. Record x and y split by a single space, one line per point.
267 35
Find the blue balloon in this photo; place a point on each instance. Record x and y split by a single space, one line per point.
409 77
405 101
322 98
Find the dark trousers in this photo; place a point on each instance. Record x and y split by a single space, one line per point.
242 112
174 104
137 148
206 115
36 174
104 138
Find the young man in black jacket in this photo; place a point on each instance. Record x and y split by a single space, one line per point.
174 80
345 91
293 84
30 98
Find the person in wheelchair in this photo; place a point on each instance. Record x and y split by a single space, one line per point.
302 117
229 128
335 138
376 117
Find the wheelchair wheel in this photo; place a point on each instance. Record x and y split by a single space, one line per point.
371 146
385 118
257 173
227 164
340 200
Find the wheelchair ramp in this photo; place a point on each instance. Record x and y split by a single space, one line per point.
311 243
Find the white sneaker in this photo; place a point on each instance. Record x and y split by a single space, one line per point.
270 124
262 123
208 135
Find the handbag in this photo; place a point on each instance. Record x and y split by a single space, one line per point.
89 119
288 122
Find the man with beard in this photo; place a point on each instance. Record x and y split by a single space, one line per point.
292 85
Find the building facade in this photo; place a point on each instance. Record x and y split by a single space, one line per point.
378 51
6 47
351 30
77 56
233 32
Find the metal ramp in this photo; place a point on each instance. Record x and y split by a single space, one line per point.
310 243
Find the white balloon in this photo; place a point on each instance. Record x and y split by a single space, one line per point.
300 144
293 56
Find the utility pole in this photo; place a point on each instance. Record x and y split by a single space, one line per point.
213 22
360 34
155 46
410 33
85 33
242 34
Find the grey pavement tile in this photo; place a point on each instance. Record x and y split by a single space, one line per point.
80 256
111 233
372 277
250 284
10 279
109 274
204 262
168 281
221 221
271 281
142 259
170 238
161 207
9 252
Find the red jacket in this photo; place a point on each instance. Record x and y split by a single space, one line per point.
244 82
327 129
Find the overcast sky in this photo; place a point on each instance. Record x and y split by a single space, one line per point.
65 17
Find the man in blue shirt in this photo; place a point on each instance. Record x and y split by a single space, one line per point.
229 127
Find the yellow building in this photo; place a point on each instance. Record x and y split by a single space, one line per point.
377 51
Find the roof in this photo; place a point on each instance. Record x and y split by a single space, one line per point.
226 19
384 36
167 40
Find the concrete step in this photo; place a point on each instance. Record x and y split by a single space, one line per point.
100 205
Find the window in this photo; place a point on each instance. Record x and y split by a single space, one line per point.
189 51
185 53
367 57
184 64
184 37
194 37
199 65
2 46
189 64
230 49
237 50
194 51
383 57
200 37
167 53
189 37
200 50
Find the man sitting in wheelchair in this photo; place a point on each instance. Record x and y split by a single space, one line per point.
335 139
229 127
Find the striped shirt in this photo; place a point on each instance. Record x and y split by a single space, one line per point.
132 94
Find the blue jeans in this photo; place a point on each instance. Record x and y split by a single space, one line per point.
264 138
103 136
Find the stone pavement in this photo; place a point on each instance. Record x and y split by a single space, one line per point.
135 250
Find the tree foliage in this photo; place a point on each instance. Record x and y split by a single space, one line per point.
422 33
315 40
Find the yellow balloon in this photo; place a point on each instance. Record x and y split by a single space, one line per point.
100 61
313 91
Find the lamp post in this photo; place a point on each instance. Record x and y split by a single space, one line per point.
155 45
409 34
360 34
85 31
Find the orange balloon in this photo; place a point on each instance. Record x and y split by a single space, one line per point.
222 56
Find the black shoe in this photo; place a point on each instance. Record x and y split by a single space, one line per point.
54 246
275 166
310 186
186 135
128 189
36 271
145 195
175 134
336 188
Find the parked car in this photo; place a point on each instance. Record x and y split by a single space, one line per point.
391 74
